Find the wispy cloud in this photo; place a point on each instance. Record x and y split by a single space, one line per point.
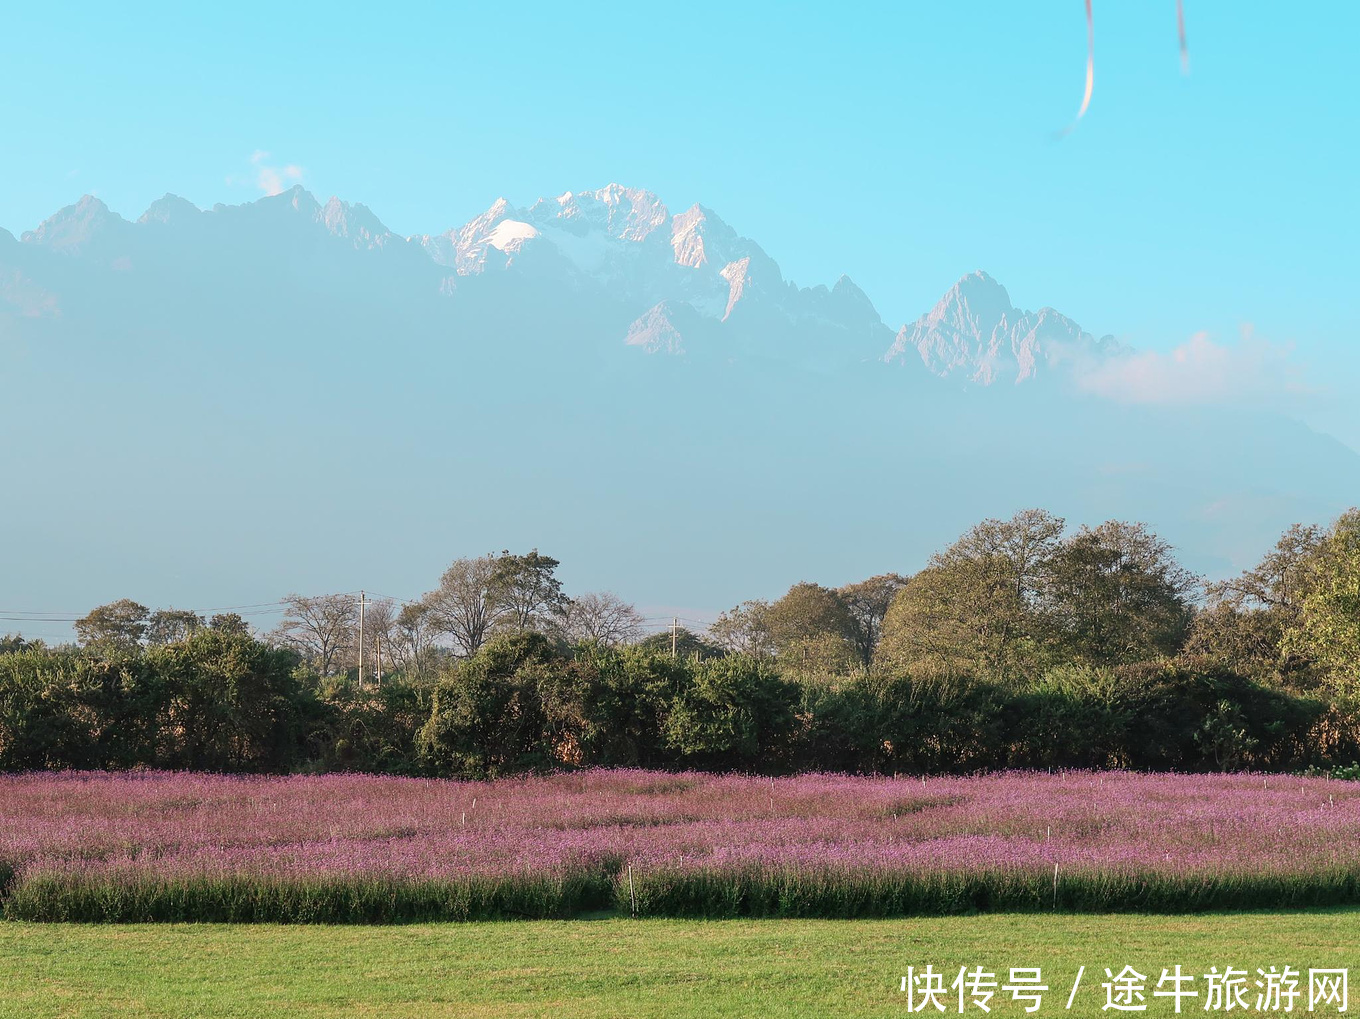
269 177
1202 371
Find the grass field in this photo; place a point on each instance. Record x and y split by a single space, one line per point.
618 967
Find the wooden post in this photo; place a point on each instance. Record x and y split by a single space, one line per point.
361 640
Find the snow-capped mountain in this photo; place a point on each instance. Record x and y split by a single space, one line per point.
588 372
686 273
686 284
975 333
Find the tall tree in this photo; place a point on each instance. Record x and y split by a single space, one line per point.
1281 579
811 630
413 638
1248 616
169 626
1328 625
951 620
120 624
976 606
1116 595
600 616
526 591
463 606
321 629
229 623
867 603
745 630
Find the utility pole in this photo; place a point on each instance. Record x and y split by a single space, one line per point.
361 640
674 621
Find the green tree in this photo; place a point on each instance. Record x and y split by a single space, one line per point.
1327 629
229 622
867 603
608 705
525 591
688 644
120 625
1245 623
1115 595
227 703
737 713
486 718
463 607
745 630
167 626
812 630
975 609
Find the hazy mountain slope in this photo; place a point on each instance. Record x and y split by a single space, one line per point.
206 407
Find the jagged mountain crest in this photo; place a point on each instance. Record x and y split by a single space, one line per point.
356 223
976 334
630 214
170 209
75 228
690 278
626 240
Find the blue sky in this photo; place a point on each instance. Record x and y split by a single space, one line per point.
903 144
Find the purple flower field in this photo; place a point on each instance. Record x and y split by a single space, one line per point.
695 843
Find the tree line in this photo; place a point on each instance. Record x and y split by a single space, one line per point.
1020 645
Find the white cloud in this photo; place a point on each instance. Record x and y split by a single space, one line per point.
1200 370
271 179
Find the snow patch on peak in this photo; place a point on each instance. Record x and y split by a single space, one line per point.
700 238
465 248
629 214
738 277
510 234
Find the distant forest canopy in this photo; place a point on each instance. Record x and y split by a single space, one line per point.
1022 644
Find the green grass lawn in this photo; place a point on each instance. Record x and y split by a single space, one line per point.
619 967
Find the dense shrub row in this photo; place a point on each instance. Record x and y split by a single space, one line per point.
700 893
865 893
244 898
219 701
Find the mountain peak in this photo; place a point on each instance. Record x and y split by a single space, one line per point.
296 197
355 223
974 332
169 208
74 227
981 295
630 214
